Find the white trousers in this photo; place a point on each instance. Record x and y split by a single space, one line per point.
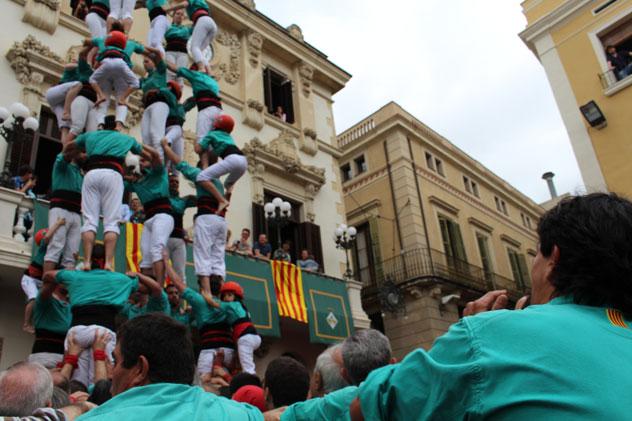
246 347
47 359
56 96
206 121
174 137
209 245
114 77
203 33
84 116
156 232
96 25
205 360
157 29
121 9
234 165
101 194
152 126
66 240
178 254
84 337
30 286
180 59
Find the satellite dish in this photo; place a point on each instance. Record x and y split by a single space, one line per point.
207 53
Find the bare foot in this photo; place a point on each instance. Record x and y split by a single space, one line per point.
109 266
28 328
66 116
87 266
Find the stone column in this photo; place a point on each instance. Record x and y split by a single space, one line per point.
252 84
360 318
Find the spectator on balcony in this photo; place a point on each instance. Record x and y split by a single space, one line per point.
280 114
242 245
283 253
307 262
564 357
138 212
262 249
25 181
619 62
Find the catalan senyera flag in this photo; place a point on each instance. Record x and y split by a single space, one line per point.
132 245
288 285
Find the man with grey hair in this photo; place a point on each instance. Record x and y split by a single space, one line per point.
361 353
327 375
24 387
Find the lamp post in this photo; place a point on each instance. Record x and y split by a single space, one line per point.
278 213
345 238
16 125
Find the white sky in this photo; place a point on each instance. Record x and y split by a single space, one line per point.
457 65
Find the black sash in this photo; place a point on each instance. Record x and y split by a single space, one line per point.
156 206
66 199
205 99
216 336
176 44
96 314
155 12
47 341
104 161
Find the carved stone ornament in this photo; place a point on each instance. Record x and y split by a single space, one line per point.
308 143
296 32
253 115
230 71
250 4
42 14
306 72
255 43
281 155
136 109
26 56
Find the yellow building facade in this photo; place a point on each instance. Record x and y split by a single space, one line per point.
570 38
435 227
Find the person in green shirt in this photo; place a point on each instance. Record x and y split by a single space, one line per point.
96 19
152 377
204 30
59 100
209 243
158 23
179 310
177 114
102 189
177 37
176 244
155 300
233 162
565 357
83 114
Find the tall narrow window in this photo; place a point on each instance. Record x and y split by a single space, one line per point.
278 93
486 259
430 161
452 241
519 268
360 164
363 254
439 165
345 172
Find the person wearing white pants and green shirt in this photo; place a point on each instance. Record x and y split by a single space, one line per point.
158 24
175 245
177 37
204 30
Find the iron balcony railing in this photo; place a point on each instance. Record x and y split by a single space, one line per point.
423 263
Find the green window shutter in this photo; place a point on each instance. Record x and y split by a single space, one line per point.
524 270
445 236
374 230
484 251
515 266
457 241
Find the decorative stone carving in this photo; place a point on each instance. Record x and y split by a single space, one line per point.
250 4
135 106
42 14
310 193
296 32
255 43
257 171
308 143
253 115
306 72
281 155
230 71
24 56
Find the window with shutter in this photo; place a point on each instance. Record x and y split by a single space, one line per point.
518 268
486 260
309 239
287 101
258 221
278 93
363 255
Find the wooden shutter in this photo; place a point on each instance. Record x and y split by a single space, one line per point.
309 239
484 250
445 236
267 89
287 101
524 270
457 241
258 221
515 266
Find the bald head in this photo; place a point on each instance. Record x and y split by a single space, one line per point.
24 387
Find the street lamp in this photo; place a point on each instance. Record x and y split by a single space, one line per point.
278 213
16 125
345 238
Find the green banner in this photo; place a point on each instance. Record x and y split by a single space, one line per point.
328 308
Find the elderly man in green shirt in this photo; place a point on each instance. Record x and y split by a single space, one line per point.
566 357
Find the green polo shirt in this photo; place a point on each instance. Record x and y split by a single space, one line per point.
97 287
70 75
180 204
108 143
218 140
173 402
178 32
195 5
199 81
66 175
131 310
38 258
191 173
184 317
51 314
333 406
177 110
152 4
154 184
234 311
84 71
204 314
131 47
558 361
159 304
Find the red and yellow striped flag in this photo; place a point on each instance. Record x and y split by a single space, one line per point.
133 233
288 285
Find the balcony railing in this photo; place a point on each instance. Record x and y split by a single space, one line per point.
609 80
426 263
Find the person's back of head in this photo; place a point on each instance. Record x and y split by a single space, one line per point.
98 256
243 379
286 382
363 352
327 375
60 398
161 343
101 392
24 387
24 170
593 236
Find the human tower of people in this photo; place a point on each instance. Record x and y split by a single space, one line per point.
72 305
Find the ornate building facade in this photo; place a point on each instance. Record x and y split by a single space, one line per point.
259 66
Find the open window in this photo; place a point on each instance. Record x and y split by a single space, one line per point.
278 93
616 41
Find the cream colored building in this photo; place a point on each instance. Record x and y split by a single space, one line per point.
569 38
435 227
258 64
